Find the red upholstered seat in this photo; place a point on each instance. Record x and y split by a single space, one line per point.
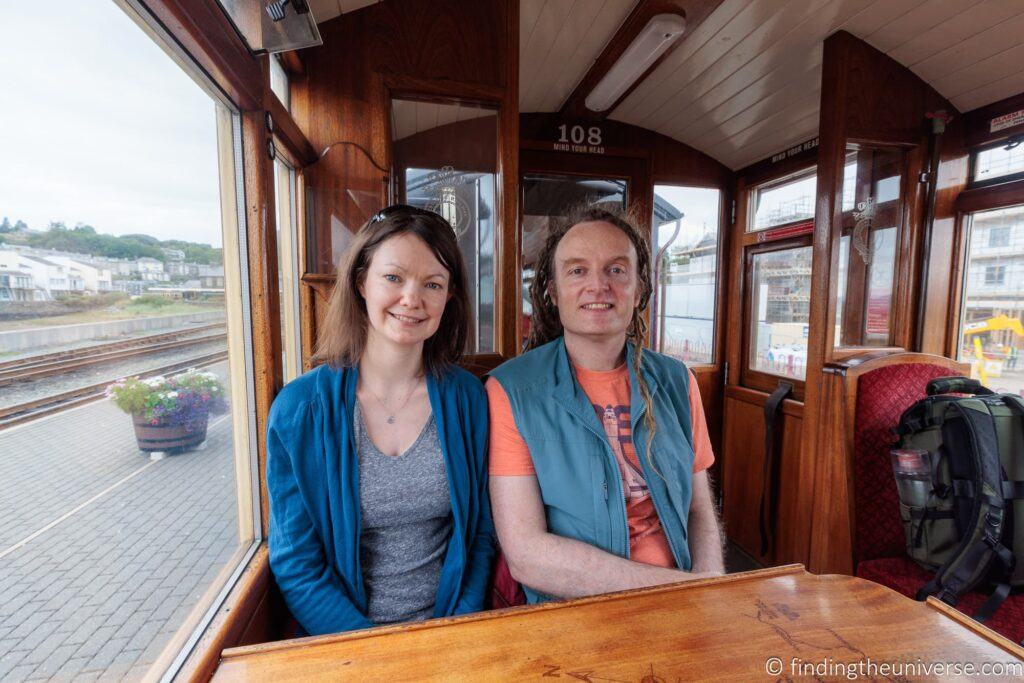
882 396
903 575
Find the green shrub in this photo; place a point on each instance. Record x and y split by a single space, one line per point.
154 300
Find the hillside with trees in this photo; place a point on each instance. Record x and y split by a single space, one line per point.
84 239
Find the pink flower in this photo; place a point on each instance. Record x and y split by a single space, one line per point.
154 421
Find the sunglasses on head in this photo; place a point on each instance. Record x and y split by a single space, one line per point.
389 211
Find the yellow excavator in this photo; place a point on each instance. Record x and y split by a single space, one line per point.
1000 322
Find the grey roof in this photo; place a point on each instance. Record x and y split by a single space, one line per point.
40 259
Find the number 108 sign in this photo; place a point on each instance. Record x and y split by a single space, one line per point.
577 138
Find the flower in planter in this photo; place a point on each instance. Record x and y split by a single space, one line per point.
185 399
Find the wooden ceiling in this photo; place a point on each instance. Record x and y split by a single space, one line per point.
328 9
746 82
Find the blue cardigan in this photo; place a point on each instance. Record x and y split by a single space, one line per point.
313 480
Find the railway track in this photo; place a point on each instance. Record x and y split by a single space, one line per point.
31 410
39 367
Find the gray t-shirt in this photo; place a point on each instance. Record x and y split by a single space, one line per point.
406 523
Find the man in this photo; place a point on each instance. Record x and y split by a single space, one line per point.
599 449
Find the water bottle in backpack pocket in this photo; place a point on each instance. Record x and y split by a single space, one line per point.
926 507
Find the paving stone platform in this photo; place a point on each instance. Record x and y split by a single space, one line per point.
100 593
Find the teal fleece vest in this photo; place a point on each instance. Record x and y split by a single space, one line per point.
579 479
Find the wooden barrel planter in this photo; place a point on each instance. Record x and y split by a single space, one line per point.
167 438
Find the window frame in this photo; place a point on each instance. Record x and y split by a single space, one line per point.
1004 243
995 270
290 247
277 65
750 377
972 166
959 282
787 179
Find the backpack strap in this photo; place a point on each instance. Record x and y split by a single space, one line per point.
981 543
924 414
770 475
1012 490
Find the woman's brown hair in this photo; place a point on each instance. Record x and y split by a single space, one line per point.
342 337
545 323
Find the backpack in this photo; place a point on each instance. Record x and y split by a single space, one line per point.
959 470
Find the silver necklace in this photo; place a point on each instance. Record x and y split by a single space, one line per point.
391 414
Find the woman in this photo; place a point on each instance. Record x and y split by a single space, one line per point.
377 459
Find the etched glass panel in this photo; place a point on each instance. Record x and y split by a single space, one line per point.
872 182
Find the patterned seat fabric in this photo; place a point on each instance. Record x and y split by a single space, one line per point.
904 576
882 396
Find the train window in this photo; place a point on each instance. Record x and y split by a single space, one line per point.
686 225
785 201
545 199
288 270
447 160
780 307
997 162
992 304
872 181
279 81
127 502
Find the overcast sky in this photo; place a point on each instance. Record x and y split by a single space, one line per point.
700 208
98 125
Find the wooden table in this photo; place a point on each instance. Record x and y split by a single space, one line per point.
726 627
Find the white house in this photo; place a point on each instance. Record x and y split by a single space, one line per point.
92 279
150 269
23 278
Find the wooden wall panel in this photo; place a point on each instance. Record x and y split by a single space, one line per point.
742 468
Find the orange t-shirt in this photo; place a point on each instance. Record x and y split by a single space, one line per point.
609 393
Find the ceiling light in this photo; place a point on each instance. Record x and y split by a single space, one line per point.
273 25
651 43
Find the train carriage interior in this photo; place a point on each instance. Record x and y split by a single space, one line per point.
833 192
